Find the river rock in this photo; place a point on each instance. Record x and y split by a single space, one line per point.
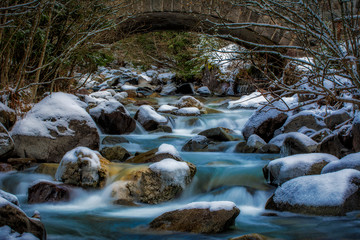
283 169
12 216
351 161
336 118
9 197
168 89
47 168
115 153
166 77
7 116
255 141
83 167
5 167
54 126
320 135
304 119
264 122
113 118
327 194
356 133
204 91
219 134
113 140
252 236
242 147
197 143
185 88
269 148
188 111
48 192
334 145
167 109
198 217
149 118
6 143
296 143
21 163
152 156
188 101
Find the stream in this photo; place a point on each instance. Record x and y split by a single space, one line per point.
221 176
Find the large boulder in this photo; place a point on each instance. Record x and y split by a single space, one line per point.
83 167
304 119
264 122
9 197
149 118
54 126
296 143
112 117
351 161
283 169
332 145
219 134
48 192
327 194
6 143
188 101
336 118
198 217
7 116
12 216
155 155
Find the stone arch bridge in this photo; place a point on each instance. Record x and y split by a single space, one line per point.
204 16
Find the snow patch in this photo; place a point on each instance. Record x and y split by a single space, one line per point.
254 100
212 206
167 108
106 107
188 111
167 148
6 233
147 112
351 161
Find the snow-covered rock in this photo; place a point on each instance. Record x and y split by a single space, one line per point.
188 111
7 233
121 95
102 95
167 148
304 118
168 89
149 118
283 169
7 116
54 126
264 122
326 194
165 77
9 197
167 108
296 143
204 91
252 145
198 217
82 167
336 118
188 101
254 100
6 142
351 161
113 118
255 141
12 216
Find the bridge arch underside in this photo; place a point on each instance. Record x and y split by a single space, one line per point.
207 24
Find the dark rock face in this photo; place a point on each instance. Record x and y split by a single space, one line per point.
336 118
6 143
196 220
53 149
115 153
332 144
17 220
304 120
48 192
186 88
115 122
218 134
298 143
196 144
264 123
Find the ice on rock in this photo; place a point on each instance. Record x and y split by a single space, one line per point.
254 100
212 206
331 189
6 233
51 114
172 172
284 169
167 148
351 161
128 88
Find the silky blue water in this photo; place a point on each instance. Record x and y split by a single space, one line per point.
221 176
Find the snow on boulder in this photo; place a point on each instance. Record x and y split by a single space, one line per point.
188 101
255 141
198 217
167 148
254 100
121 95
12 216
6 142
165 77
7 233
351 161
167 108
188 111
172 172
82 167
7 116
9 197
54 126
296 143
304 119
113 118
149 118
204 91
264 122
326 194
101 95
283 169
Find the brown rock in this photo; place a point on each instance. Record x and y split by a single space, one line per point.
150 156
336 118
21 163
113 140
196 220
17 220
300 120
47 168
188 101
218 134
7 116
115 153
48 192
252 236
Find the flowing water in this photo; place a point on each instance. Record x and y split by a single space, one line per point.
221 176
